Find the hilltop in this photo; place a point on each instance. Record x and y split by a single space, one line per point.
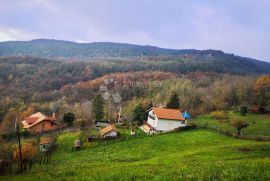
48 48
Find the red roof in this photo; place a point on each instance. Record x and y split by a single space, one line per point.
108 129
31 120
172 114
44 141
50 118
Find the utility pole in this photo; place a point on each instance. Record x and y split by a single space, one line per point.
19 143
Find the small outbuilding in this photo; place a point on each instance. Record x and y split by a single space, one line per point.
46 143
109 132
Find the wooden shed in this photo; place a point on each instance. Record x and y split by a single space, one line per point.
46 143
109 132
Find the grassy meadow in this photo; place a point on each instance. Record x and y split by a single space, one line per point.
259 124
187 155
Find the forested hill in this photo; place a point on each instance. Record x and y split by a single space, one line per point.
140 57
46 48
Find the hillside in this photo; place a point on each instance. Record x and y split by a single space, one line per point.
189 155
183 60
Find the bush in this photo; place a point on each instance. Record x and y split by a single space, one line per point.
258 110
219 115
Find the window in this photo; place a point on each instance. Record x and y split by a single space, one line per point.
151 116
51 124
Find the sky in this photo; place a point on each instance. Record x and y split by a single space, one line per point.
241 27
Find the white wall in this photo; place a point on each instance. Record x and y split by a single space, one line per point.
151 121
167 125
111 134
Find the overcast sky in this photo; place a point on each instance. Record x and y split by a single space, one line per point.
235 26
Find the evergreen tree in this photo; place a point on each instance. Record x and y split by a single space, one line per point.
98 107
69 118
173 102
138 114
149 106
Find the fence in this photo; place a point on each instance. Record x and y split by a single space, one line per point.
101 142
234 135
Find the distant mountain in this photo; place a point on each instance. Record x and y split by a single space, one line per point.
187 60
64 49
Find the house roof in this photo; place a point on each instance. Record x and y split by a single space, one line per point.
31 120
108 129
37 118
44 141
147 126
172 114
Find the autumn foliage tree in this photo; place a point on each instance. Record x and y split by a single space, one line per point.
262 87
29 153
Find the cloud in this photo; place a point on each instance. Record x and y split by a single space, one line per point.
8 34
235 26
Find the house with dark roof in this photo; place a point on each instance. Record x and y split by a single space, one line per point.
164 120
39 123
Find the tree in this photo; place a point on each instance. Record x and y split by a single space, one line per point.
28 152
69 118
6 154
243 110
262 87
138 114
98 107
173 102
148 107
239 124
7 125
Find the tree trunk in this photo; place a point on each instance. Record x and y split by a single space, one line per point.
238 132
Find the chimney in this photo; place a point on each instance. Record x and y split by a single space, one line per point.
53 115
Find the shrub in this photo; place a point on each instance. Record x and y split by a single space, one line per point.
219 115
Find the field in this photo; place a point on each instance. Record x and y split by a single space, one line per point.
188 155
259 124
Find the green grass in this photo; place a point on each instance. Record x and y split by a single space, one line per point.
259 124
187 155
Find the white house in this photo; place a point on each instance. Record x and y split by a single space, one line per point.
163 120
